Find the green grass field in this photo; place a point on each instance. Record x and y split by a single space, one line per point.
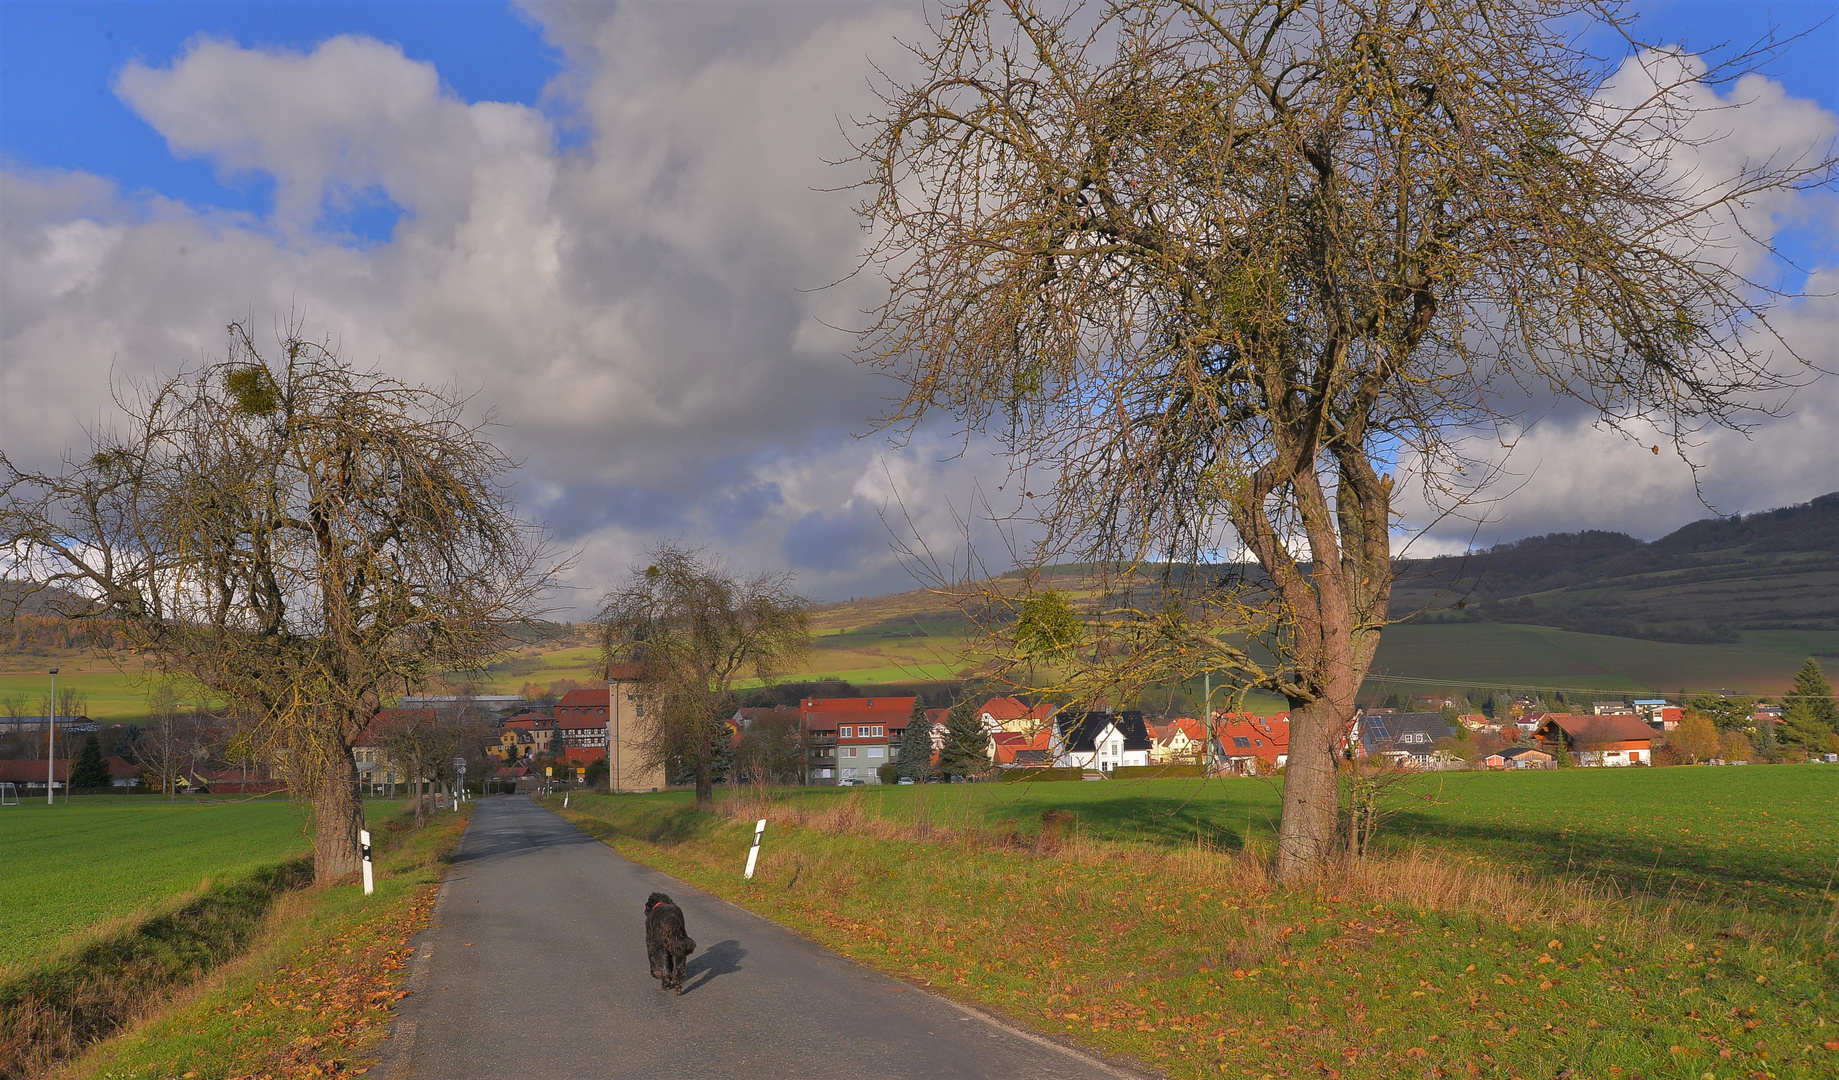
100 859
1583 924
1511 656
900 640
70 867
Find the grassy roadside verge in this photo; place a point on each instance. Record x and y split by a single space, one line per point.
51 1010
315 996
1187 958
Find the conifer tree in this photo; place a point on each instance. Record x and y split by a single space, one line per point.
90 770
967 746
915 762
1810 717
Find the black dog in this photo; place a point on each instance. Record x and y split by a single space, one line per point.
666 940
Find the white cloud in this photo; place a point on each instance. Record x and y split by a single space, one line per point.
633 298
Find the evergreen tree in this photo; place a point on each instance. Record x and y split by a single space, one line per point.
967 746
915 761
91 770
1810 718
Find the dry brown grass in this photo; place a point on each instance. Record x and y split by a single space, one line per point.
1417 878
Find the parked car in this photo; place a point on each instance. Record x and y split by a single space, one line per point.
906 780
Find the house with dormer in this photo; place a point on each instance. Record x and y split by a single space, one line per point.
1100 741
1405 739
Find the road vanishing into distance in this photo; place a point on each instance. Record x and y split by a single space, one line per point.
534 967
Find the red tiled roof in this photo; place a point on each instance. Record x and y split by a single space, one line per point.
824 714
1011 744
625 672
1008 708
1266 737
30 772
386 718
1581 729
584 707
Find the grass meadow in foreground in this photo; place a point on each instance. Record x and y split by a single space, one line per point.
103 859
1153 931
316 995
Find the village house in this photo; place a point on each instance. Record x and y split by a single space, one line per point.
1181 740
589 720
1014 750
527 735
1247 745
1405 739
848 739
1011 714
1100 741
373 764
29 773
1606 741
1612 708
1518 757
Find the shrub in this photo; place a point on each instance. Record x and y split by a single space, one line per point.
1012 776
1156 772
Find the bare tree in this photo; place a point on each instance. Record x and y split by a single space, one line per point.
16 707
421 744
694 627
299 538
1218 271
168 743
772 748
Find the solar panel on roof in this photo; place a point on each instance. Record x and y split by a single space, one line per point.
1378 728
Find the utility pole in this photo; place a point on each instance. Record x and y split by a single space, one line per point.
1206 723
51 742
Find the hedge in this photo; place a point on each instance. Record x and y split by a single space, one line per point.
1011 776
1155 772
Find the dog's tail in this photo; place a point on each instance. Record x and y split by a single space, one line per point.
688 946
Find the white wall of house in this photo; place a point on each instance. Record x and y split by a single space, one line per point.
1613 759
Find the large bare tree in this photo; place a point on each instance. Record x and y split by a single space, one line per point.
1218 271
299 538
694 627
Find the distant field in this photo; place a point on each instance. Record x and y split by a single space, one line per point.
112 693
1507 655
909 639
71 866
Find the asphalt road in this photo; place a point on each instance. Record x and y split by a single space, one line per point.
535 967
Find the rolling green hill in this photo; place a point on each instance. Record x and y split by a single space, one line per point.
1713 581
1724 603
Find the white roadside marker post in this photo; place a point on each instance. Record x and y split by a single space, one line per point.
364 846
565 801
753 853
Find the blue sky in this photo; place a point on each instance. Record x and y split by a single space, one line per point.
59 60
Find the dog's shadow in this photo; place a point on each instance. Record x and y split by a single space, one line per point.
720 958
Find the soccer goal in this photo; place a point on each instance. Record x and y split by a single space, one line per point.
9 795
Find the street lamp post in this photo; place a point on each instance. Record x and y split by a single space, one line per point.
51 743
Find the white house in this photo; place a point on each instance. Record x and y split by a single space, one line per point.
1100 741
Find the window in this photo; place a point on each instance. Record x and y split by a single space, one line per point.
875 751
846 732
1240 740
849 751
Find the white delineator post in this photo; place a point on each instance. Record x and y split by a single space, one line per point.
364 847
753 853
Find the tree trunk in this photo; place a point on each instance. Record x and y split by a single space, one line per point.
338 814
705 785
1306 831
